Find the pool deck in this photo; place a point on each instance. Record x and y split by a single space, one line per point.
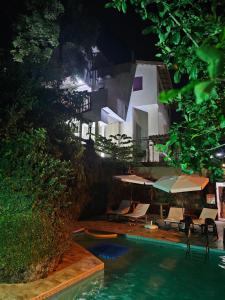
172 235
77 264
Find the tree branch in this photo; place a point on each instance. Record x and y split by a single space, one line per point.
185 31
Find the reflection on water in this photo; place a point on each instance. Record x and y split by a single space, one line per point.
79 291
222 262
151 272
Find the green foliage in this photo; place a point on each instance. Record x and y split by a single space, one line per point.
191 39
214 58
203 90
37 31
43 178
30 246
119 147
36 191
29 176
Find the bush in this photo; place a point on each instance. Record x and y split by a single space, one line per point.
29 175
30 247
33 195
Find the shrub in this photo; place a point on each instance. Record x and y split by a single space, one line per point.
30 246
33 193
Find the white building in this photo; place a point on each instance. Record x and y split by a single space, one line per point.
124 100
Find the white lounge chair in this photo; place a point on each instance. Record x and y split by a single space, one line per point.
139 212
176 214
210 213
123 208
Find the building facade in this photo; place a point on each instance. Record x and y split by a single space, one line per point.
124 100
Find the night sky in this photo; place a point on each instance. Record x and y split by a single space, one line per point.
120 38
121 34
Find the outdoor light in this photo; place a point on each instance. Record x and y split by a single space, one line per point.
223 165
220 154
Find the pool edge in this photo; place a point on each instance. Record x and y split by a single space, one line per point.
83 266
174 244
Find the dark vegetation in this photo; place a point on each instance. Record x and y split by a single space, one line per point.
191 42
46 175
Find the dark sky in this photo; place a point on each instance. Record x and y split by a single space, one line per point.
121 34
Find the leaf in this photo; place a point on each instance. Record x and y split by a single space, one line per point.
147 30
222 122
215 59
162 38
184 166
167 49
124 7
162 13
109 5
202 91
176 38
193 73
222 35
173 138
177 77
166 96
188 87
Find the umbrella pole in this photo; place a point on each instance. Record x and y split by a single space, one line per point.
183 203
131 192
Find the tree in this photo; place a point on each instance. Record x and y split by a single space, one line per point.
41 165
37 31
191 40
119 147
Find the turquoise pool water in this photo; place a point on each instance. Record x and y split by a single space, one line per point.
150 271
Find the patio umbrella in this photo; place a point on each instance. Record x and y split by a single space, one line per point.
182 183
133 179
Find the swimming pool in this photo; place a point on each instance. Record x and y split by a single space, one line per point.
151 271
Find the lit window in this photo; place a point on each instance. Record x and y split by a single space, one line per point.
137 84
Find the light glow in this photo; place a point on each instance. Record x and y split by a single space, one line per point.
219 154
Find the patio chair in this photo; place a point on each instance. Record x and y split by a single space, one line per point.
210 223
176 214
207 213
139 212
123 208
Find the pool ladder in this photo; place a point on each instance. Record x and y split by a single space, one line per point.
196 255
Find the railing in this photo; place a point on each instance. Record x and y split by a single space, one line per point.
148 145
84 105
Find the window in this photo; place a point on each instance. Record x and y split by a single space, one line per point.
137 84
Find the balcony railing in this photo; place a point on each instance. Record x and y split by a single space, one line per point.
148 145
84 105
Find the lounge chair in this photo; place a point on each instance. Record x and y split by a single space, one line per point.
139 212
123 208
176 214
207 213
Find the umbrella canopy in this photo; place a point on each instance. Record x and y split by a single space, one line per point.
133 179
182 183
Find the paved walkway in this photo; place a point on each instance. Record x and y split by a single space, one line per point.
77 264
172 235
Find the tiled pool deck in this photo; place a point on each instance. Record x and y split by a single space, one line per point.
78 263
172 235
